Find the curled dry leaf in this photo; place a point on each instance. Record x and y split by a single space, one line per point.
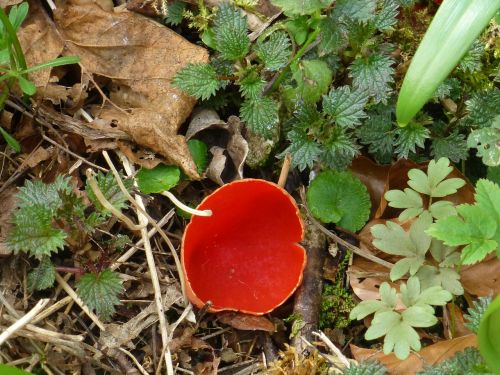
228 147
430 355
140 57
246 322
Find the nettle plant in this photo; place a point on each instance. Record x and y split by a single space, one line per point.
53 217
427 255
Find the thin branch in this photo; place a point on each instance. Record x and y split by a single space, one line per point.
336 351
20 323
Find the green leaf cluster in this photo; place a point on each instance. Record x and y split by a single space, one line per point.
469 361
340 198
476 226
398 327
476 312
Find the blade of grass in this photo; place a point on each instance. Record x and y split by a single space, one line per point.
455 26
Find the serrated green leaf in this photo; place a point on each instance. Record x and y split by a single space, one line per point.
303 150
43 276
340 149
198 80
450 87
358 10
419 316
299 28
472 59
100 292
260 114
275 51
482 108
373 74
230 28
345 106
387 17
365 368
333 36
453 147
36 193
199 151
339 197
476 312
382 323
301 7
111 191
409 138
33 232
251 85
159 179
175 12
486 142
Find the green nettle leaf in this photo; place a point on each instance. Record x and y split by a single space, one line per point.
275 51
43 276
387 17
301 7
33 232
358 10
36 193
339 197
303 150
410 137
482 108
365 368
100 292
450 87
468 362
346 106
230 28
486 141
175 12
453 147
111 191
339 150
373 74
252 85
476 312
198 80
260 114
476 226
159 179
472 59
333 36
199 151
313 79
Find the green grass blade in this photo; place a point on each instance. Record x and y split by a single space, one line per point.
455 26
11 141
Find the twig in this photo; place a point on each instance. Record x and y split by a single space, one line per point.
47 332
24 320
79 301
151 263
336 351
284 170
131 356
102 200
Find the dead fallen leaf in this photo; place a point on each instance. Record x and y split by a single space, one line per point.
454 322
430 355
8 203
246 322
482 279
40 42
7 3
141 57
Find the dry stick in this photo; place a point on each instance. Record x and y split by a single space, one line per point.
78 300
131 356
284 170
151 264
47 332
307 302
336 351
140 209
102 200
24 320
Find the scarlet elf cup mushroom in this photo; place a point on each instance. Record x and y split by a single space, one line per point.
245 256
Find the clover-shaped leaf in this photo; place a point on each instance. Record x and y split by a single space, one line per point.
408 199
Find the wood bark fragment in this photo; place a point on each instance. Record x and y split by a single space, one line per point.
307 302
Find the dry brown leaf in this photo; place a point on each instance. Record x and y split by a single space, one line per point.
7 3
40 42
430 355
482 279
246 322
454 322
141 57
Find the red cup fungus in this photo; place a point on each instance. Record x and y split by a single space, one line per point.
246 256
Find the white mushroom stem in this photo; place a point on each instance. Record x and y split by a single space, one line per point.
183 207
